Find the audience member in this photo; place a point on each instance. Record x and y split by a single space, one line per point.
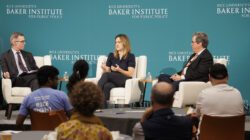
119 67
86 97
198 64
159 121
46 98
80 72
19 65
220 99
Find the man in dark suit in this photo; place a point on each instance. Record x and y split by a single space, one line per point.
19 65
197 67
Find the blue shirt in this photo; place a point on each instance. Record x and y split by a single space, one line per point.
45 100
124 63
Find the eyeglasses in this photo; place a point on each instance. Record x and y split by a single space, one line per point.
194 42
22 41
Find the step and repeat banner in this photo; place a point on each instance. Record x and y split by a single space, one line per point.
160 29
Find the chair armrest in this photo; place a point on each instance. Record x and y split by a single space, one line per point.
132 91
190 86
6 88
188 92
47 60
93 80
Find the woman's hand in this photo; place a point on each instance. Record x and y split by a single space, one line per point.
105 68
128 73
117 68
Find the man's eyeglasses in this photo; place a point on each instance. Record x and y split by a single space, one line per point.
194 42
22 41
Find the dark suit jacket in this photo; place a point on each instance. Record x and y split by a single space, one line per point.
199 68
8 63
164 125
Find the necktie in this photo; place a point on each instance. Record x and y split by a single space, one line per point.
20 62
189 63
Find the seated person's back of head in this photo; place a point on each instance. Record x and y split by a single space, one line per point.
159 122
220 99
85 97
80 72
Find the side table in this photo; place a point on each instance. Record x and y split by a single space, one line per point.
62 80
145 86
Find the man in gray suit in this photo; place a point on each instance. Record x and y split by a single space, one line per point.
19 65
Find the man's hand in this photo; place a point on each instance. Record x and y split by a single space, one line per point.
147 113
193 115
175 77
6 75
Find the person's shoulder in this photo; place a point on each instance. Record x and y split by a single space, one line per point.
6 52
206 52
131 54
185 120
111 54
26 52
231 88
70 123
206 91
55 92
58 92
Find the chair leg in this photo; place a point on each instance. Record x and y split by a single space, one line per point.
9 111
137 104
6 110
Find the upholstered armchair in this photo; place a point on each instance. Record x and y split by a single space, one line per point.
189 90
132 91
15 95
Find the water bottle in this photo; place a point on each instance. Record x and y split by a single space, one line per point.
149 76
65 75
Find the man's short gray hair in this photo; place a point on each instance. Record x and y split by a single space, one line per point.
14 36
202 37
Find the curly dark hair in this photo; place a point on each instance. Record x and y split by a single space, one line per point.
86 97
80 72
46 72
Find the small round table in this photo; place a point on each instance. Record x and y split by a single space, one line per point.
62 80
144 90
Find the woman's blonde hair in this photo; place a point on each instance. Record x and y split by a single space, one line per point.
126 45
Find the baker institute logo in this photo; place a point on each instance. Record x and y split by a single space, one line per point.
137 11
34 12
183 56
241 9
72 56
